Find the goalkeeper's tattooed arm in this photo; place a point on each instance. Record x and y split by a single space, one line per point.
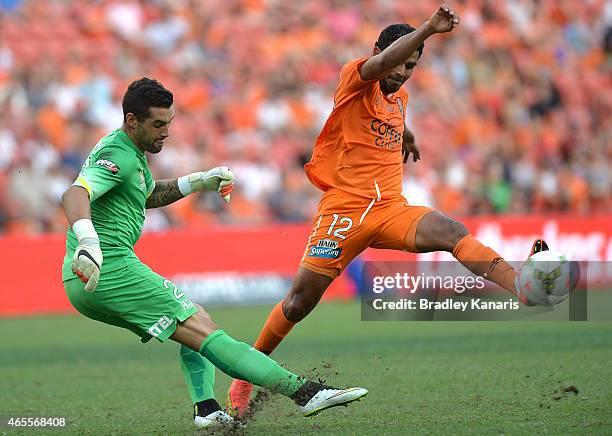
219 179
164 193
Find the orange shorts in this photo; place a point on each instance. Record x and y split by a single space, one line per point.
347 224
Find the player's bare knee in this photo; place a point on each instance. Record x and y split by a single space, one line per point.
455 232
298 303
295 306
205 321
305 293
195 329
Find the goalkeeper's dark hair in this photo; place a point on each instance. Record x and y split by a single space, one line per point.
144 94
393 32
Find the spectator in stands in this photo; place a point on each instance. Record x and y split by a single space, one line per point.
512 115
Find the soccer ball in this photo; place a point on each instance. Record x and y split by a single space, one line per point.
547 278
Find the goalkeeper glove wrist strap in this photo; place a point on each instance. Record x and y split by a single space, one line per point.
84 228
185 184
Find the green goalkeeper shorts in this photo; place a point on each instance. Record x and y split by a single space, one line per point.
134 298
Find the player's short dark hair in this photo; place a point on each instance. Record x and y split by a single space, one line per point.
144 94
393 32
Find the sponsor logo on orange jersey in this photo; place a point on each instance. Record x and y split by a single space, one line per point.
387 136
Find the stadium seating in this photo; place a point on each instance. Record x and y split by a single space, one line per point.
511 112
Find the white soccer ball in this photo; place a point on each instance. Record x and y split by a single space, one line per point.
547 278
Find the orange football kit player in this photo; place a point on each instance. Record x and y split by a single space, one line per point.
357 162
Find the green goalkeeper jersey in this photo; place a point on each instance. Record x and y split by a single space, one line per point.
117 177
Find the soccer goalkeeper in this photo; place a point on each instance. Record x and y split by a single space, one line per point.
105 280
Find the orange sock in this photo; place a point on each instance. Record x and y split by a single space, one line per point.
485 262
274 330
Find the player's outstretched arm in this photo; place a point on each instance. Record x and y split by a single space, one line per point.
219 179
443 20
87 259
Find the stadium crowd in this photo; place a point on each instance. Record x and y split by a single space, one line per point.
512 111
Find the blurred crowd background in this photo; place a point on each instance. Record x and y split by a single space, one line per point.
512 111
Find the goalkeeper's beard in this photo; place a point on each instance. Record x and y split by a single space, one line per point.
152 145
156 146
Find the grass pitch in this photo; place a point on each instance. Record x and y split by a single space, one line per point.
423 377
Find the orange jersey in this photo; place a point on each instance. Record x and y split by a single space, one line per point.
359 149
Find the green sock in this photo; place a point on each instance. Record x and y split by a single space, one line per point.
239 360
199 374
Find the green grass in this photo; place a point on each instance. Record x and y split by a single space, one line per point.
423 377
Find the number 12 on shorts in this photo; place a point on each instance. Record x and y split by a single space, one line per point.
340 221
